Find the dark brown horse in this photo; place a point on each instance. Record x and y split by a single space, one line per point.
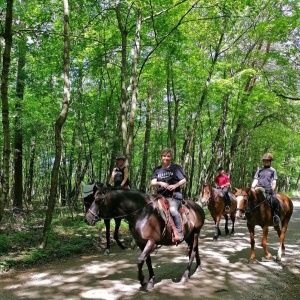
215 202
258 211
147 226
88 198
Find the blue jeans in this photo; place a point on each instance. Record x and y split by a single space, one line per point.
174 205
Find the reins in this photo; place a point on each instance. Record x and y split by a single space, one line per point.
121 216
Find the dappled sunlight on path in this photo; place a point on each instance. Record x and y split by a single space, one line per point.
226 273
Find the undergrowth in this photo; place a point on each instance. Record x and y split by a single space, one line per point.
20 238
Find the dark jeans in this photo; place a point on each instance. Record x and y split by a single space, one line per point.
226 196
275 206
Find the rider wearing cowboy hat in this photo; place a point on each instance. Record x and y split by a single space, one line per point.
266 178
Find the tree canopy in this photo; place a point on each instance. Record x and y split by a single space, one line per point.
218 81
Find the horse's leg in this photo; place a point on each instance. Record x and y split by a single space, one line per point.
226 224
217 227
151 280
264 242
116 233
232 218
252 242
145 256
281 234
107 235
193 252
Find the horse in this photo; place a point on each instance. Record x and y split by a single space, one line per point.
88 194
258 211
148 227
215 202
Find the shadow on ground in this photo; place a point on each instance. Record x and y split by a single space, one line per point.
226 273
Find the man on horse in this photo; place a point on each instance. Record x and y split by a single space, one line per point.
265 179
223 182
119 174
168 177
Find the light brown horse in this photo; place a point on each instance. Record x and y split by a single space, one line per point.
215 202
258 212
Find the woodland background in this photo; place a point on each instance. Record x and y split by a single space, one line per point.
81 81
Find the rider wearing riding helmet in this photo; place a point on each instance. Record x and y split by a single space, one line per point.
265 178
119 175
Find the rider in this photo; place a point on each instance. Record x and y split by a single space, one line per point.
223 182
168 177
266 178
119 175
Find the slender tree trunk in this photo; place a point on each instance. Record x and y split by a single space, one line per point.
5 110
134 83
124 33
58 128
18 162
144 184
29 181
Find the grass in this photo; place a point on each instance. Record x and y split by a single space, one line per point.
20 238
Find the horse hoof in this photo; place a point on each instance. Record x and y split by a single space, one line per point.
199 269
106 252
215 238
184 279
150 284
268 257
278 258
253 261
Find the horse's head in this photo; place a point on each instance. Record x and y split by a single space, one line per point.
92 204
206 194
241 198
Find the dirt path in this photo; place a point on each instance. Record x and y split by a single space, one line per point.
226 273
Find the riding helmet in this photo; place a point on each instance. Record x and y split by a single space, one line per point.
120 156
268 156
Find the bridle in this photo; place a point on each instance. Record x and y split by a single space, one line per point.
103 198
248 210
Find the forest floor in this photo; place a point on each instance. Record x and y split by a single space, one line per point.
226 271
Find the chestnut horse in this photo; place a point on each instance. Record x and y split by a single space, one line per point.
258 212
215 202
88 194
147 226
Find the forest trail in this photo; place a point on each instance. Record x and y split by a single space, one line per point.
226 272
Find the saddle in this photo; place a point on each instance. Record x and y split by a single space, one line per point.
162 206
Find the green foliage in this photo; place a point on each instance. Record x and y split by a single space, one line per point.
19 247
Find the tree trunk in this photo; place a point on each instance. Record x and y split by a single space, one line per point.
134 83
29 180
5 110
18 142
144 184
58 128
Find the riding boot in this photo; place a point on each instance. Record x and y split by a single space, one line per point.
276 218
227 202
178 225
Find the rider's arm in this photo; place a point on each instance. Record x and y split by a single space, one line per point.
154 182
181 182
125 176
254 183
112 177
273 185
